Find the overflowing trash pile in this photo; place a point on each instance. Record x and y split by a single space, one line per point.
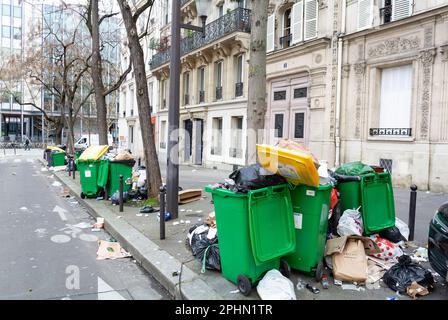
290 211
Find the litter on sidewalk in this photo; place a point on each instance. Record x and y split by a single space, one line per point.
111 250
190 195
275 286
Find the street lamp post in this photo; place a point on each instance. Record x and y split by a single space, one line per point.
172 175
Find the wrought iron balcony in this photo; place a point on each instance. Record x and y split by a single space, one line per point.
237 20
218 93
285 41
239 89
386 14
391 132
186 99
201 96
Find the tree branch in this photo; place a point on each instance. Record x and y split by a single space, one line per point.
120 80
142 9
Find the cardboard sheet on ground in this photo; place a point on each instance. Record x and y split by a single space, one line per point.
111 250
190 195
349 257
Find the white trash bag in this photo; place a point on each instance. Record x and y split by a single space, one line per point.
350 223
403 227
274 286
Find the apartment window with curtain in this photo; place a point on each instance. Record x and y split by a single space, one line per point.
393 10
236 149
150 94
285 40
395 102
201 84
163 94
131 102
218 79
239 85
216 136
186 88
162 134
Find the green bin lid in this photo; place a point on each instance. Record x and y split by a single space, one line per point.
271 223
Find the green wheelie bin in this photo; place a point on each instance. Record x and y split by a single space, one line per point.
311 206
370 191
93 176
255 230
117 168
58 159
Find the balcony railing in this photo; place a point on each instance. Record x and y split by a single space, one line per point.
386 14
237 20
285 41
239 89
391 132
218 93
201 96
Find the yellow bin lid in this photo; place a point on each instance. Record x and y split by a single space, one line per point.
295 166
55 149
93 153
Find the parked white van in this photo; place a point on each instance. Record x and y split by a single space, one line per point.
91 140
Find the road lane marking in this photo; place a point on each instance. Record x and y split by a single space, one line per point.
61 212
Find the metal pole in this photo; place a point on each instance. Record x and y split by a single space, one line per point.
162 212
70 168
74 169
173 115
121 193
412 207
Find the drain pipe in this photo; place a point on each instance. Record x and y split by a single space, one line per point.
339 87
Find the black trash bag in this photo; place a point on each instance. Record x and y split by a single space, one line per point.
116 198
400 276
254 177
392 234
132 194
201 246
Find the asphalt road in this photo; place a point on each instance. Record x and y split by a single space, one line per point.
42 254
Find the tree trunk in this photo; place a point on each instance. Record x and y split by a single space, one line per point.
256 105
154 178
97 71
58 132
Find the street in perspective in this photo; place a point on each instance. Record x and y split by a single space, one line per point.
230 150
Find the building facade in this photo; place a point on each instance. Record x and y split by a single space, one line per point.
394 89
213 90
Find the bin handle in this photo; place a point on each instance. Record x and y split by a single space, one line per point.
257 194
278 189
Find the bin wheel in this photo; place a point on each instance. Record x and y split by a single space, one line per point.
83 196
285 269
244 285
319 271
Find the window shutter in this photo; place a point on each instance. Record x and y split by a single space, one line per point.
401 9
365 8
311 13
297 22
270 40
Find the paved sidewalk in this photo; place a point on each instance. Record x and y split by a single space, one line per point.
140 235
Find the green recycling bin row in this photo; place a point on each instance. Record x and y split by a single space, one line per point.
98 176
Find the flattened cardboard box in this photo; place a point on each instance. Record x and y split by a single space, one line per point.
349 257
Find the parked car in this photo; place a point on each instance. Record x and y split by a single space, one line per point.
438 241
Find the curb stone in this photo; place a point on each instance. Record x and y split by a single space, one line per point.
148 254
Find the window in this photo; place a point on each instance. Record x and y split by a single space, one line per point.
241 3
163 94
299 125
270 36
124 104
5 98
17 12
131 134
278 125
395 99
239 76
280 95
201 84
186 88
401 9
17 33
131 102
216 136
285 41
162 134
150 93
310 23
6 10
220 10
236 150
218 79
300 93
6 31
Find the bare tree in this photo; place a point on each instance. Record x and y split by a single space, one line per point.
256 105
130 18
93 22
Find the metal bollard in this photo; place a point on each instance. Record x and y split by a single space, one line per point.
121 193
74 169
14 148
162 212
412 207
